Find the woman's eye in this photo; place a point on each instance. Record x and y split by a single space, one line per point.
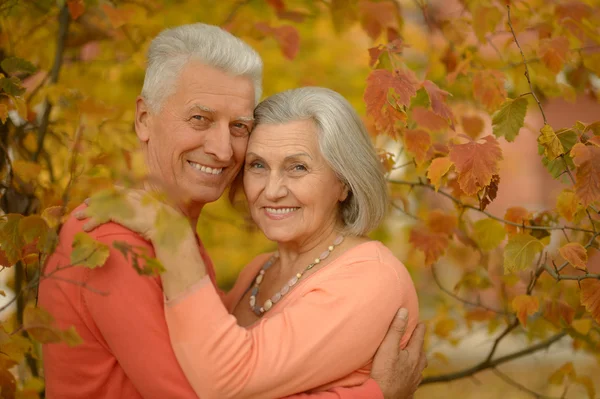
299 168
256 165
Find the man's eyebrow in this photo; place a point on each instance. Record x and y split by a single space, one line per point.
245 118
203 108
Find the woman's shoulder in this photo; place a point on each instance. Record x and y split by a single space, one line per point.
373 255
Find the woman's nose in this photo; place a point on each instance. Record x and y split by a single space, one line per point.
276 187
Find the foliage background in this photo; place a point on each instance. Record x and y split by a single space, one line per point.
84 68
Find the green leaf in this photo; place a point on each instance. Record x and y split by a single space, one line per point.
568 138
488 233
88 252
12 86
11 241
34 228
170 228
510 118
13 65
420 100
108 203
520 252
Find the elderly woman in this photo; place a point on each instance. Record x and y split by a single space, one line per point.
311 315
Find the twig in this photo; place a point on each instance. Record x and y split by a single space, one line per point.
463 300
521 387
61 39
484 365
234 11
491 216
526 67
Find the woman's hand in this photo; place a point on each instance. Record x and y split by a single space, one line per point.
137 210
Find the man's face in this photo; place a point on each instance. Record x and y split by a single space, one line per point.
195 143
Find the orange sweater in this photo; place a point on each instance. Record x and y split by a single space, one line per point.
119 314
322 334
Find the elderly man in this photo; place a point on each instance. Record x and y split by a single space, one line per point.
193 120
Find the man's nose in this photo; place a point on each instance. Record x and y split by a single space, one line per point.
218 142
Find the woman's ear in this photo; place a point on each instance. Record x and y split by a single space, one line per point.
344 193
142 119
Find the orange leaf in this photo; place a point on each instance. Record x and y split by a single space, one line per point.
553 52
438 101
76 8
554 311
379 84
432 245
590 297
440 222
117 16
287 37
428 119
417 142
587 160
517 214
575 254
472 125
476 163
438 168
375 16
525 305
488 88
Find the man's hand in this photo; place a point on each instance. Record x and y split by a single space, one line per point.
399 371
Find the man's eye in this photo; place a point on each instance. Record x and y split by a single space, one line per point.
256 165
240 128
199 118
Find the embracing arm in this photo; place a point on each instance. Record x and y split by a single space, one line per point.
307 344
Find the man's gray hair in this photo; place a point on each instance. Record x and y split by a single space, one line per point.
170 51
344 143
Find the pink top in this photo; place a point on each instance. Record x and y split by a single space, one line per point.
323 333
119 314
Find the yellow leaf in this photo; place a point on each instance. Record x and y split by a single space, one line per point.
438 168
53 215
582 326
88 252
520 252
567 204
444 327
441 357
525 305
566 370
21 106
488 233
575 254
589 296
548 139
588 384
26 171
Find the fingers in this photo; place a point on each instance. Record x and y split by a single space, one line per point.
91 222
415 344
391 342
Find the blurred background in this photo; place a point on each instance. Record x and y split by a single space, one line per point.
67 131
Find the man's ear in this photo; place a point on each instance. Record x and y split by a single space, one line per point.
143 119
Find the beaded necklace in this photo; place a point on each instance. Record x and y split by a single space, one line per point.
260 310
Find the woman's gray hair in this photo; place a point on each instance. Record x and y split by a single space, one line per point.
344 143
170 51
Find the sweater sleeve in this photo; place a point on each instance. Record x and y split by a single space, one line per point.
368 390
126 309
333 330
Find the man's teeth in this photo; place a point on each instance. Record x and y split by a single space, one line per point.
206 169
281 210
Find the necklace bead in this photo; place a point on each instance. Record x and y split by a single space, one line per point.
260 310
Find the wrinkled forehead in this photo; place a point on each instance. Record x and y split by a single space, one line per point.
299 135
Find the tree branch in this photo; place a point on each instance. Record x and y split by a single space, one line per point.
491 216
484 365
526 67
61 39
521 387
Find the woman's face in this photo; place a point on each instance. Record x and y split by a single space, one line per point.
292 192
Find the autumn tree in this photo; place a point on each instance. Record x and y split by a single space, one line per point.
448 89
